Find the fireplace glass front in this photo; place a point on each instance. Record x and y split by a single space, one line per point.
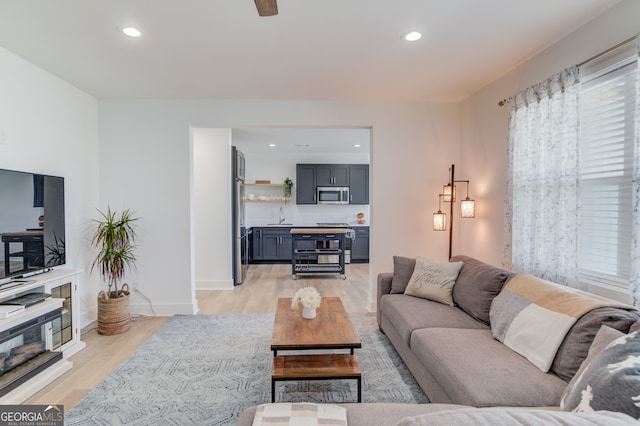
25 350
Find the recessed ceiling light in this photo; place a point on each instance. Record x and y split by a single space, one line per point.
132 32
412 36
357 145
272 145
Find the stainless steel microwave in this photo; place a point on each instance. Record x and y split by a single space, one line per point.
333 195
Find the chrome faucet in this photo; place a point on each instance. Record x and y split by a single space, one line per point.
281 218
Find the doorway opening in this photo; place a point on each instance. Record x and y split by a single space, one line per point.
271 155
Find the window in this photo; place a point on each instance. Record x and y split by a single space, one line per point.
606 111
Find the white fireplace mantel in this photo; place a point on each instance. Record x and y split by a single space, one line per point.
69 341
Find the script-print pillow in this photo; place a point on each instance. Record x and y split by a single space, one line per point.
433 280
611 381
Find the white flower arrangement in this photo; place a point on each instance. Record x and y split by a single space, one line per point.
308 296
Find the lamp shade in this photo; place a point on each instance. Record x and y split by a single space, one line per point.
439 221
468 208
447 190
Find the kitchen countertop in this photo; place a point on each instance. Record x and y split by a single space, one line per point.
319 230
297 225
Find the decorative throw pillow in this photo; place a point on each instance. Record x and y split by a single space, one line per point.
477 285
300 413
433 280
402 270
603 337
578 342
611 381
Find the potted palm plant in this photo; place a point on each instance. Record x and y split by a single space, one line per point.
115 239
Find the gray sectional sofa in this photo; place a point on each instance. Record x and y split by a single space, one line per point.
453 354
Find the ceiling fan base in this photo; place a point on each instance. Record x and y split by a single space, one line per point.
267 7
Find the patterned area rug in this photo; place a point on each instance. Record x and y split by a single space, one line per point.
206 369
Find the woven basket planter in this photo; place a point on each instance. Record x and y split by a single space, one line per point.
113 312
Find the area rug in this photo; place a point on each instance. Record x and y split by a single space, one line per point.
206 369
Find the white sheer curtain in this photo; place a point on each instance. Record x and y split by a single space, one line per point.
541 203
635 233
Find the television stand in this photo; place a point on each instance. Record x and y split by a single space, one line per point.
63 335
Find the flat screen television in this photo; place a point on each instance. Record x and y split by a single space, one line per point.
32 230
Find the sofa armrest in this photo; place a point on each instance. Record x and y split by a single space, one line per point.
384 287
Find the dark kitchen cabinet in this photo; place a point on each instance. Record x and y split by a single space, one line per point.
332 175
306 184
354 176
256 244
359 184
272 244
360 245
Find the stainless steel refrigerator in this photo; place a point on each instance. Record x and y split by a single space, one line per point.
240 234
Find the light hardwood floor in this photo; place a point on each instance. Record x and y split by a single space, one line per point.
258 295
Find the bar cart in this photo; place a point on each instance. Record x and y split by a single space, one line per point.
313 244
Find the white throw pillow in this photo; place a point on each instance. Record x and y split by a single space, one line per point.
433 280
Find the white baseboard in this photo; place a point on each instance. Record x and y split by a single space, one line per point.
214 285
160 309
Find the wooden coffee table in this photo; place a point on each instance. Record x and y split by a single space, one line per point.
331 329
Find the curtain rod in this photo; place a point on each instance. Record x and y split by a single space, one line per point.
604 52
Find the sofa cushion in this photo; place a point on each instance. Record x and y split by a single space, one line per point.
381 414
433 280
604 336
402 271
575 347
475 369
611 381
408 313
516 417
300 413
476 286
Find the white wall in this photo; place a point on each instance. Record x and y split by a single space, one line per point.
48 126
212 208
412 145
484 130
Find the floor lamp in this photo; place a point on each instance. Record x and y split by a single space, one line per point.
467 206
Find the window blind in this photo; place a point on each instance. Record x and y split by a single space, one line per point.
607 102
